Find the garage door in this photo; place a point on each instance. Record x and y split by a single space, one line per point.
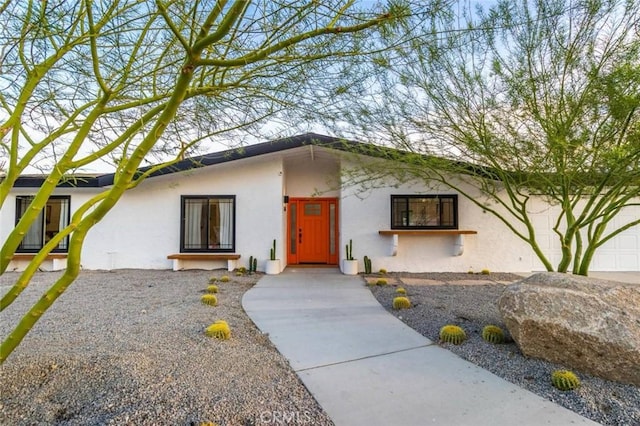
622 253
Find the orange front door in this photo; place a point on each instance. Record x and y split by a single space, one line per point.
312 231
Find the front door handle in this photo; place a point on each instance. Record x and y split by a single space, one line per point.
300 236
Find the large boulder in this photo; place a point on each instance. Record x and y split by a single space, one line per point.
583 323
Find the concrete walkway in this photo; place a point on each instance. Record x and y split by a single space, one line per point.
366 367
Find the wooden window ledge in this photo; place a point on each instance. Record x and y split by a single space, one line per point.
30 256
180 259
427 232
458 245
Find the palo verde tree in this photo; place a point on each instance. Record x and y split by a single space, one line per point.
120 81
525 100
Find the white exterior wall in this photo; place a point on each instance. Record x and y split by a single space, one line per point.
144 227
307 177
493 248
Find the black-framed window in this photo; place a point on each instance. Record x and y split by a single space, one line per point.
208 223
52 219
424 211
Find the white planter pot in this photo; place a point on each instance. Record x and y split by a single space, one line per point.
350 267
272 267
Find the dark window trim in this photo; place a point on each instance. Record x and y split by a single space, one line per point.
436 196
42 243
183 220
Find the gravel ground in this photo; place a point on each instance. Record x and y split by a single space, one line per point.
473 306
127 347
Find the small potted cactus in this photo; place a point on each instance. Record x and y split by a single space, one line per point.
272 266
349 264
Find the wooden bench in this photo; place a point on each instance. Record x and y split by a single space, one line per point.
180 259
53 261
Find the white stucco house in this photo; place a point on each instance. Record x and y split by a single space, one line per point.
218 210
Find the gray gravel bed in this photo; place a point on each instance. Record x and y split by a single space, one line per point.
127 347
474 306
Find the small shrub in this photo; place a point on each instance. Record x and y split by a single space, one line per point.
565 380
485 272
219 329
242 270
212 288
239 274
381 281
209 299
213 279
224 279
401 290
493 334
401 302
470 272
452 334
382 271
